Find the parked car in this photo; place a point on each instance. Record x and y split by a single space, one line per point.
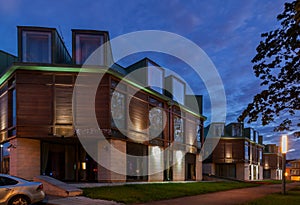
17 191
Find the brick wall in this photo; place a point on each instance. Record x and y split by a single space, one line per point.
25 158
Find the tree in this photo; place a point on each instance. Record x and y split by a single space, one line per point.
277 64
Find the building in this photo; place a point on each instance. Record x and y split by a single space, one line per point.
237 155
295 170
37 125
272 162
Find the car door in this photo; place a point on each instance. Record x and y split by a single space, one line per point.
6 188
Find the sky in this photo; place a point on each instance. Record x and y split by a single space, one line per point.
227 30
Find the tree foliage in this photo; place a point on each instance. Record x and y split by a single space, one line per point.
277 64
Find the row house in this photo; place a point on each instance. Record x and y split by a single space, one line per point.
295 170
38 135
272 162
238 153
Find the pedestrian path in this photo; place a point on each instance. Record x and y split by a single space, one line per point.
78 200
230 197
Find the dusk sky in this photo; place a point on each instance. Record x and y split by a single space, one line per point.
228 31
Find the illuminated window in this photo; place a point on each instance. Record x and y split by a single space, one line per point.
156 121
118 110
178 129
36 47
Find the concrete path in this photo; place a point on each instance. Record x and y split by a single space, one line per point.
77 200
231 197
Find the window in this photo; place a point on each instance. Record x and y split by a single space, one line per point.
218 130
178 129
36 47
118 110
155 77
178 91
246 151
156 121
199 134
4 181
86 44
237 130
14 107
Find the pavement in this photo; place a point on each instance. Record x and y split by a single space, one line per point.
230 197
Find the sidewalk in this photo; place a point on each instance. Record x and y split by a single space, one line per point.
231 197
76 200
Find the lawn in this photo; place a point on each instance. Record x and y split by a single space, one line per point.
291 198
137 193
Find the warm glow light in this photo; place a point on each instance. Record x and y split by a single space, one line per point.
178 156
286 174
284 144
156 152
83 166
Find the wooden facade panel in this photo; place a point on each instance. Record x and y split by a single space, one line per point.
3 112
138 114
34 104
102 106
34 78
34 131
63 105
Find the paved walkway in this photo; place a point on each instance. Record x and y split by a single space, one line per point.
231 197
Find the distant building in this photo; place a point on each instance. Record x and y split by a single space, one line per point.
272 162
238 154
295 170
37 126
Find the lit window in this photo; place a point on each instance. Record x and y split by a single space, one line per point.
156 121
36 47
86 44
118 110
178 129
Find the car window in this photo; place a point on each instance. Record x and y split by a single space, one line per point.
4 181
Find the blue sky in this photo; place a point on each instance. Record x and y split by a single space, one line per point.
228 31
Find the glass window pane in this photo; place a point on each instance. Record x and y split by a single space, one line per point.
178 91
36 47
118 110
156 122
178 129
155 78
86 45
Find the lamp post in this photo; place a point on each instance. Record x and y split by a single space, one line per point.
283 151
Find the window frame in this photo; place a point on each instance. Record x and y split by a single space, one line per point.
25 35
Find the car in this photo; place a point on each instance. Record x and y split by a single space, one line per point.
17 191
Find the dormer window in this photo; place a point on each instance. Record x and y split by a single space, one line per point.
175 88
36 46
155 77
85 43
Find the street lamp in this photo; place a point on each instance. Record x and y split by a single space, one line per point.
283 151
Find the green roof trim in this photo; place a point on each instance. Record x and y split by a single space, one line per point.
90 69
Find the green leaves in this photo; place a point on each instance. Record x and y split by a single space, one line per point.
277 64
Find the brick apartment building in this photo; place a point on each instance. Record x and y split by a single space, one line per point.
37 131
272 162
238 154
295 170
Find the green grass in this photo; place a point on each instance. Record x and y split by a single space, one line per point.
137 193
291 198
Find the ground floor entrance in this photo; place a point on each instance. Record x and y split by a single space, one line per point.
67 161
